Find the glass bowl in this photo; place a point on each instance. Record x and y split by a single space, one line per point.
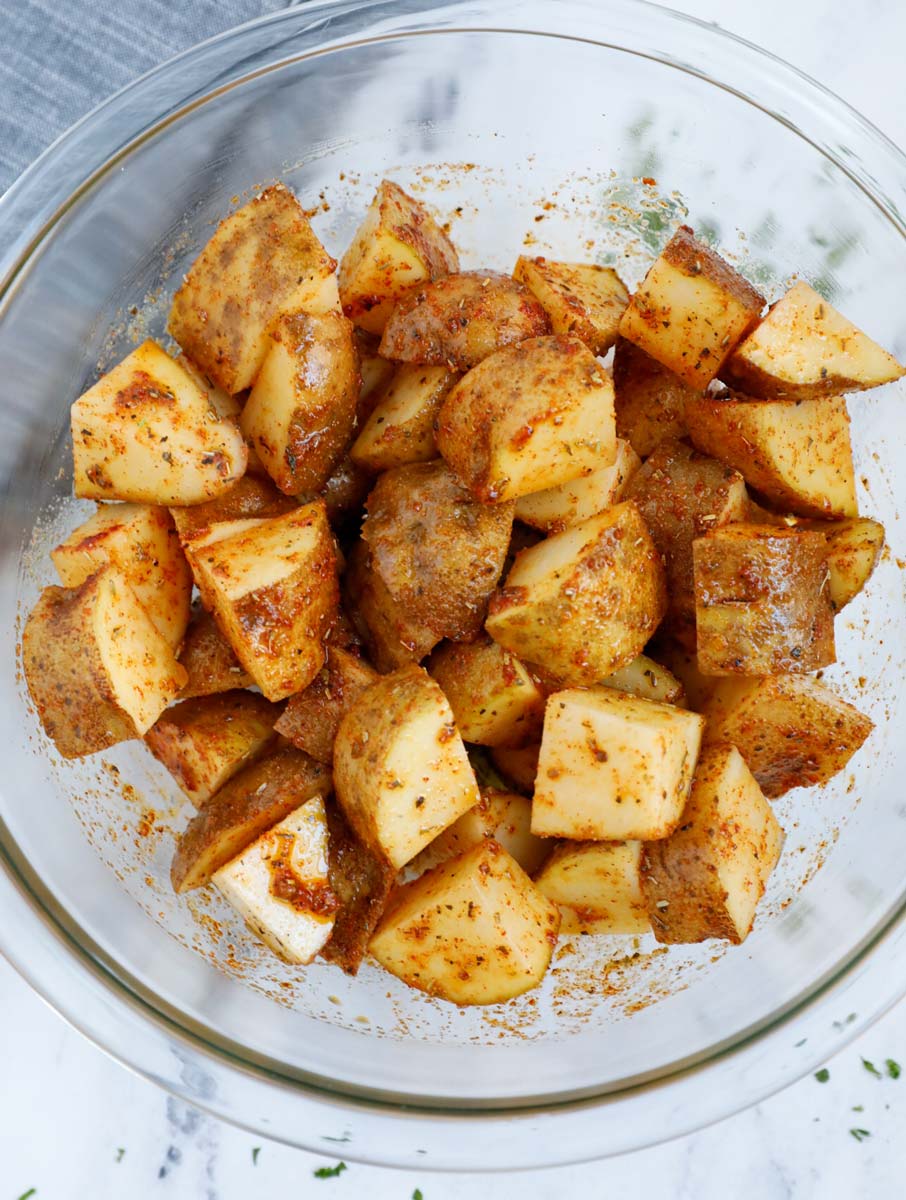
587 128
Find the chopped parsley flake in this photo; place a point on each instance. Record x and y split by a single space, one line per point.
30 1192
256 1150
860 1134
329 1172
417 1194
871 1068
893 1068
120 1154
823 1075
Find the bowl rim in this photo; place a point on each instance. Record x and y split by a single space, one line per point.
143 1037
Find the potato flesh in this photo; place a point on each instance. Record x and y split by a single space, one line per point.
582 299
691 310
505 817
146 433
312 717
613 767
805 349
141 542
648 680
401 770
705 880
263 260
649 399
494 699
248 497
400 429
597 887
518 765
208 659
528 418
557 508
853 551
279 885
475 930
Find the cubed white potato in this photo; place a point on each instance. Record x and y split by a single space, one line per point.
648 680
853 551
584 299
506 817
494 699
400 429
649 399
597 886
571 503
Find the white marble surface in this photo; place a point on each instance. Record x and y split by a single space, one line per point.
74 1125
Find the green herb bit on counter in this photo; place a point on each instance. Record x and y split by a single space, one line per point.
329 1172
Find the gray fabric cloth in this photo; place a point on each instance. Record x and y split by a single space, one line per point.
62 57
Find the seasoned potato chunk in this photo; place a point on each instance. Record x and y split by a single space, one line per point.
597 886
401 771
248 497
272 585
301 412
648 680
400 429
584 602
362 882
705 880
263 260
208 659
249 804
613 767
397 246
98 671
279 885
798 455
206 741
518 765
146 433
583 299
474 930
853 551
528 418
556 508
438 552
804 349
392 636
761 601
791 730
504 816
682 663
649 400
458 321
140 541
495 701
691 310
311 718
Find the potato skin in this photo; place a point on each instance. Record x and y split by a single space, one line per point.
461 319
518 765
392 637
208 659
248 497
312 717
649 400
362 882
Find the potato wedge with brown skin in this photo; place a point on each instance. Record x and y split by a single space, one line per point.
791 730
362 882
527 418
345 492
248 497
804 349
649 399
438 552
458 321
474 930
505 817
583 603
146 433
97 669
597 886
208 659
400 429
761 601
264 260
312 717
251 803
518 765
582 299
392 637
691 310
556 508
853 551
705 880
227 407
206 741
398 246
648 680
796 454
141 542
495 700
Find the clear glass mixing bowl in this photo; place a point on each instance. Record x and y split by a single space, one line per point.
526 123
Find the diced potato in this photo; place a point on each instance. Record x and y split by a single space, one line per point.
458 321
393 638
362 881
571 503
705 880
583 299
584 602
762 604
141 542
791 730
853 551
475 930
397 246
247 806
301 413
691 310
505 817
376 373
518 765
146 433
98 671
682 494
263 260
804 349
311 718
279 885
208 659
272 585
344 493
597 887
528 418
798 455
227 407
649 400
613 767
248 497
682 662
438 552
206 741
401 770
495 701
648 680
400 429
